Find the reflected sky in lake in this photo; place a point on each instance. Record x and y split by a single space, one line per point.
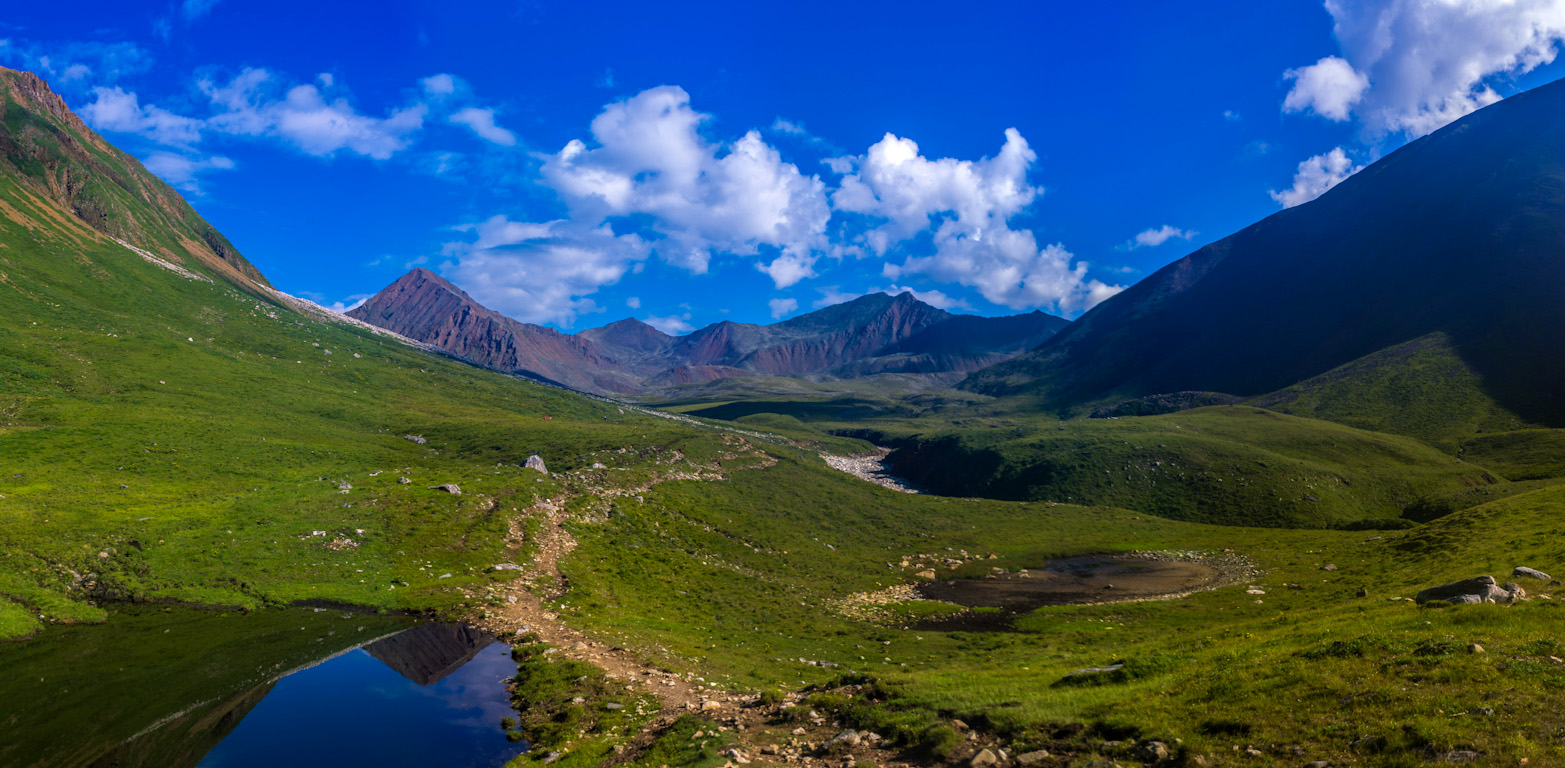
355 710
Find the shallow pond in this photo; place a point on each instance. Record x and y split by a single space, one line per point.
1081 580
180 688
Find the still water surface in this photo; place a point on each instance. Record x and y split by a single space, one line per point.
355 710
160 687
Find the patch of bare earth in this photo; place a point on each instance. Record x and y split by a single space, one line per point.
870 467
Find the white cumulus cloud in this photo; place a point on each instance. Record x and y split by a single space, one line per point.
119 111
782 307
256 103
1315 176
541 273
481 121
1425 62
1157 236
1329 88
673 325
968 205
702 198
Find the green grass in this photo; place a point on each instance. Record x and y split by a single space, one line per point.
1226 464
1420 389
166 438
718 578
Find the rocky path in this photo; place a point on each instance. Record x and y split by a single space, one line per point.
753 726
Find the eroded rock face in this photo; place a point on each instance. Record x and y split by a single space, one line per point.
1479 589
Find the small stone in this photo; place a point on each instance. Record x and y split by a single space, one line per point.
926 575
1152 751
1328 567
1475 648
451 488
1524 571
415 438
1030 759
1458 756
534 462
847 738
984 759
403 481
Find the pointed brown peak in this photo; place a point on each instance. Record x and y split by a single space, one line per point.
628 335
421 277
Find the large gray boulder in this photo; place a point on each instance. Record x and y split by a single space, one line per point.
1523 571
1479 589
534 462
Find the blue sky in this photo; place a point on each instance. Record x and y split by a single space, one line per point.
684 163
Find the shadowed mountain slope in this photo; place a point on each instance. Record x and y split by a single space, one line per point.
1460 233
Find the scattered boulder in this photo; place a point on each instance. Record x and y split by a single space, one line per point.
415 438
1479 589
1328 567
1152 751
1475 648
534 462
1030 759
845 740
926 575
1458 756
451 488
984 759
403 481
1524 571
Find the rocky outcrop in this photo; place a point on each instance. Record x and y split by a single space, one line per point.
1479 589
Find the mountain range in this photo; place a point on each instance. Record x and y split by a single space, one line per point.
873 334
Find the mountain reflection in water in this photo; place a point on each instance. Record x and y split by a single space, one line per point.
178 689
